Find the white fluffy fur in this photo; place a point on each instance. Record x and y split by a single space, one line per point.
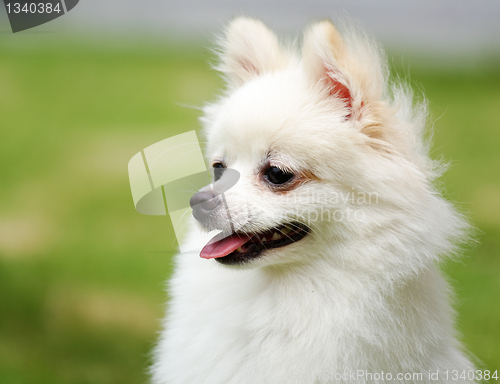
353 294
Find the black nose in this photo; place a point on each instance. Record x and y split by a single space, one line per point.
203 204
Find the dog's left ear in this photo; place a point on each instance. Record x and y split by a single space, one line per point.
249 49
345 74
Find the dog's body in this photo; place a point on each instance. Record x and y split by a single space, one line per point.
353 297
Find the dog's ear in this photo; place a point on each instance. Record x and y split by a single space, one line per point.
323 51
249 49
354 71
330 63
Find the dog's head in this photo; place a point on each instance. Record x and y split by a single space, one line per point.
319 155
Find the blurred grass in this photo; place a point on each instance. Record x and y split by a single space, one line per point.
82 273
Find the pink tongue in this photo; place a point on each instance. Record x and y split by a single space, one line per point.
224 247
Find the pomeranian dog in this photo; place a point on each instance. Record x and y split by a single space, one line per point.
327 269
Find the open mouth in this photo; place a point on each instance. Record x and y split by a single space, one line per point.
239 248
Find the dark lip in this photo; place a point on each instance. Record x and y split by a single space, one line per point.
255 247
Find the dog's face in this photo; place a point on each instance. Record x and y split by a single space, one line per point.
302 137
260 132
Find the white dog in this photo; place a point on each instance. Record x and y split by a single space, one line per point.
330 272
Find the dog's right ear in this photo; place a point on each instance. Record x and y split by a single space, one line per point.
249 49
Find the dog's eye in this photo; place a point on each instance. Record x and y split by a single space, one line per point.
278 176
218 170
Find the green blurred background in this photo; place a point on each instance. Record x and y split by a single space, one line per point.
82 273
